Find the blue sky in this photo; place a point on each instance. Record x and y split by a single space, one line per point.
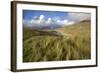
29 14
34 18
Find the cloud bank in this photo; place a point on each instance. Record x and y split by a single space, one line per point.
55 22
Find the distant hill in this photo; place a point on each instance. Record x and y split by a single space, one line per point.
76 29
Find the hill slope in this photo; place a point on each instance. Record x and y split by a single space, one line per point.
76 29
49 46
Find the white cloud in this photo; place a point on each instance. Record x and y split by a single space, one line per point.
58 21
65 21
56 18
41 21
41 17
77 17
49 20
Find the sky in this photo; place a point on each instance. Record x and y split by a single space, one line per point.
29 14
52 19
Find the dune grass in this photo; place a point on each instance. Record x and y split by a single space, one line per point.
75 46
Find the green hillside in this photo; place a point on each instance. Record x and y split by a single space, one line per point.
51 46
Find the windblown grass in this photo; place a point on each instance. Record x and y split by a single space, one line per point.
75 46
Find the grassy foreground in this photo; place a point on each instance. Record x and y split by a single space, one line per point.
46 47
